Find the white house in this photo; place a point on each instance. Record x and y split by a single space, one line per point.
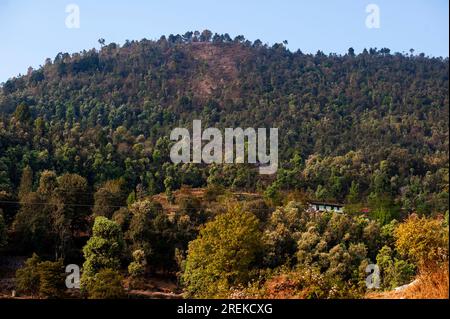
326 207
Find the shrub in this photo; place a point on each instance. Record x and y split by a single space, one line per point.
27 277
106 284
394 272
136 268
212 192
51 275
300 283
43 278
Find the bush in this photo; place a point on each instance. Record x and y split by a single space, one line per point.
27 277
106 284
43 278
51 275
394 272
301 283
136 268
212 192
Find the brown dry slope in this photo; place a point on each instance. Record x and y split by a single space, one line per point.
220 68
429 284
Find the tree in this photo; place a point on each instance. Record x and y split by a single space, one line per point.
51 276
136 268
351 52
394 272
103 250
26 182
47 184
282 233
27 277
45 278
222 256
22 113
206 36
32 225
122 217
151 231
109 198
106 284
192 207
70 200
353 194
423 240
384 209
272 194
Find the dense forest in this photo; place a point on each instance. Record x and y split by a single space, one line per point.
86 137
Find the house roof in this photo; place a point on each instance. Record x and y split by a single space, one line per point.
325 203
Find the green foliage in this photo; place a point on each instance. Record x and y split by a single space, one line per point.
69 210
223 254
377 142
22 113
212 192
282 233
47 183
43 278
26 182
143 232
192 207
64 117
383 208
33 224
423 240
106 284
136 268
103 250
52 278
27 277
272 194
51 216
299 283
131 198
109 198
353 193
122 217
338 245
394 272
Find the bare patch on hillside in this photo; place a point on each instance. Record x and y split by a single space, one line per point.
219 69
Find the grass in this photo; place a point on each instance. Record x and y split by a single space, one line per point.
432 283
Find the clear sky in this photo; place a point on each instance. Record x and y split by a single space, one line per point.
32 30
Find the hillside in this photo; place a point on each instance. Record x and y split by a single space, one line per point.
107 114
86 178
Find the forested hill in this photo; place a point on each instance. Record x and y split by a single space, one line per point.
105 114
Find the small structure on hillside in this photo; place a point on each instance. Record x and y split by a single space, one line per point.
325 207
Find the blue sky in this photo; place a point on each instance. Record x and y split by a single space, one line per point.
31 30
